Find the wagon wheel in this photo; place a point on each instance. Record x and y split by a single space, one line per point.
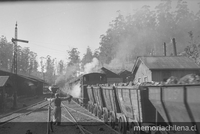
77 101
113 119
105 115
91 108
99 112
122 124
134 128
95 110
88 106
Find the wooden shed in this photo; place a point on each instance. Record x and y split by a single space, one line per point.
38 83
125 75
111 76
160 68
26 84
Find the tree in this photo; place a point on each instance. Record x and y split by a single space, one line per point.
60 67
73 57
74 62
6 53
50 70
87 58
144 32
193 49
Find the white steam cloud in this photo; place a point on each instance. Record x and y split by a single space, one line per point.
92 66
75 91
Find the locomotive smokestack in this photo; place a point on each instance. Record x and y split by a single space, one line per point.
174 45
164 46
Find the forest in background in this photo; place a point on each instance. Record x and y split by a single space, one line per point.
140 33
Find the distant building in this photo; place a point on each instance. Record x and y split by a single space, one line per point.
111 76
160 68
125 75
26 84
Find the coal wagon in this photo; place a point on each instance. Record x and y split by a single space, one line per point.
136 108
178 104
111 105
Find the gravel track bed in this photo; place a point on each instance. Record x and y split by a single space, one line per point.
87 120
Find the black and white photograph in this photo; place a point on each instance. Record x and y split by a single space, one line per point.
100 67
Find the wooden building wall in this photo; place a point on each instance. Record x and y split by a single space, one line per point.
163 75
143 74
22 87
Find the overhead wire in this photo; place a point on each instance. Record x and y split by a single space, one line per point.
39 18
48 47
59 53
36 43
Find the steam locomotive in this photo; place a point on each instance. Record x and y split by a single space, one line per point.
142 108
83 81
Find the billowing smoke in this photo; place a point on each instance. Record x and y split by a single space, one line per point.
92 66
123 57
63 80
75 90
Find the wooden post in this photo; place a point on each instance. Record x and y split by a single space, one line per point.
49 118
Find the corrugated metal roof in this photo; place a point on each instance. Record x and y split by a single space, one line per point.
109 74
3 80
169 62
124 72
30 77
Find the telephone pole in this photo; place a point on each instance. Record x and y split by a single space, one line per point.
14 69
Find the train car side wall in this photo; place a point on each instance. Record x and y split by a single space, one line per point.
114 80
94 78
85 96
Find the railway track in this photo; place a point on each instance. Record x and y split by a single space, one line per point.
85 121
82 130
22 112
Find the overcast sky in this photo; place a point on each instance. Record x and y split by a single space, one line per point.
54 27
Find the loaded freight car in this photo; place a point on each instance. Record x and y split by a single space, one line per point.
136 109
97 102
124 107
178 105
112 105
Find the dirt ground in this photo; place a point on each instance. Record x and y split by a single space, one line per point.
36 122
22 103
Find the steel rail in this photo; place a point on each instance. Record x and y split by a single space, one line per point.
10 113
94 118
17 116
75 121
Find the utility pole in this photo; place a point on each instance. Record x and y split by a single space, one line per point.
14 69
